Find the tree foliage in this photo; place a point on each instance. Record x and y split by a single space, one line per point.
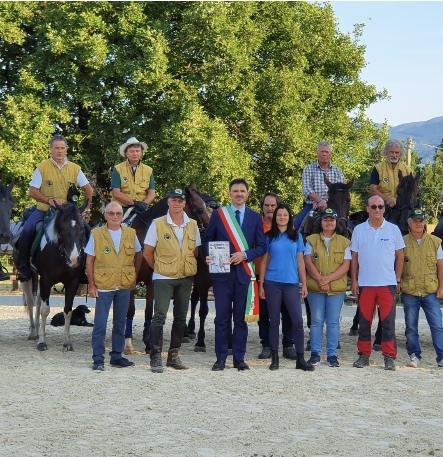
217 90
432 184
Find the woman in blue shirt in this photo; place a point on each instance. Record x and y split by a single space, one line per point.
282 270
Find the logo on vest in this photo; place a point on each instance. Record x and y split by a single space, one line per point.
125 179
49 182
167 236
406 258
107 250
386 180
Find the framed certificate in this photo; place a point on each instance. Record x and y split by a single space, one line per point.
219 252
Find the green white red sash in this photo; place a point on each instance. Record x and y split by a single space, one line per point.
237 238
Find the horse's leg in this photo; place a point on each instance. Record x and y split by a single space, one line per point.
200 345
70 291
28 302
149 311
129 348
45 291
195 297
353 331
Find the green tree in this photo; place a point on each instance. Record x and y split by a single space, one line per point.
216 89
432 184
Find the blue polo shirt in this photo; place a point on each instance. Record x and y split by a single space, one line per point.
282 263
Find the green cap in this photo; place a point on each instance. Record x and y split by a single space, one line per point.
176 193
417 213
329 212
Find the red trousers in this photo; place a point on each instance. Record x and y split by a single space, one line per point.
369 298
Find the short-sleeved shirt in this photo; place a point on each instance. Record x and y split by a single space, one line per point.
116 181
313 180
151 237
283 262
37 179
376 249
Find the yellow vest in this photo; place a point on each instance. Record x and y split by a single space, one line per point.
389 176
111 270
169 259
56 181
419 275
135 186
327 264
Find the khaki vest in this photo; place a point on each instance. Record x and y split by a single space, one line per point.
135 186
389 176
327 264
419 275
169 259
111 270
56 181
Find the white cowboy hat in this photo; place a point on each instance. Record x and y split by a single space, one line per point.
130 142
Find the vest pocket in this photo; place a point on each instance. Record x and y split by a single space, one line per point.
431 283
129 248
190 266
166 267
128 278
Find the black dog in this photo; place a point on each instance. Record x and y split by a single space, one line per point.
78 317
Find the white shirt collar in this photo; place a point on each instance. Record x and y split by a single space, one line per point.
57 165
170 221
241 208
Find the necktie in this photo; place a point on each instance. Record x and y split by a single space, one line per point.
237 216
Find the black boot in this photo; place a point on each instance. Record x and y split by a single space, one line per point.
156 349
274 361
301 363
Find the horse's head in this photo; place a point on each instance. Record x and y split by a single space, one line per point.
199 206
6 204
339 197
70 233
408 191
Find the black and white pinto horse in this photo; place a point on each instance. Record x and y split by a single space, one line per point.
60 258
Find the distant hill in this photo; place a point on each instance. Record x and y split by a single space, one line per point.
425 134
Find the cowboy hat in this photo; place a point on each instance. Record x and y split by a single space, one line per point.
130 142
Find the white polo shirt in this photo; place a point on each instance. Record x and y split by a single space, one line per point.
376 253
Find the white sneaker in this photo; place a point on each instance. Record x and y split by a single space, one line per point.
440 363
413 361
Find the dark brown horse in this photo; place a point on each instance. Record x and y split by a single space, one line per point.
140 222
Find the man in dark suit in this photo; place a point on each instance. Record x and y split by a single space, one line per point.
231 289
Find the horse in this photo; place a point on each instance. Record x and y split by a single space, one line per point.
407 198
339 200
140 221
6 204
438 231
59 258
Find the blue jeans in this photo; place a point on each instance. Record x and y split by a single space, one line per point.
431 307
325 308
120 300
298 219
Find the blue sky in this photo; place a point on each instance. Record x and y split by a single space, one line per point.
404 54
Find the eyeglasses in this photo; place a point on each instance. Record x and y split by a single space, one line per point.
376 206
113 213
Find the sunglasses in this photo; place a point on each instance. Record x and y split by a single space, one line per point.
377 206
113 213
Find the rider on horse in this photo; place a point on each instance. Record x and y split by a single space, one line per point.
49 187
132 181
385 175
315 191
